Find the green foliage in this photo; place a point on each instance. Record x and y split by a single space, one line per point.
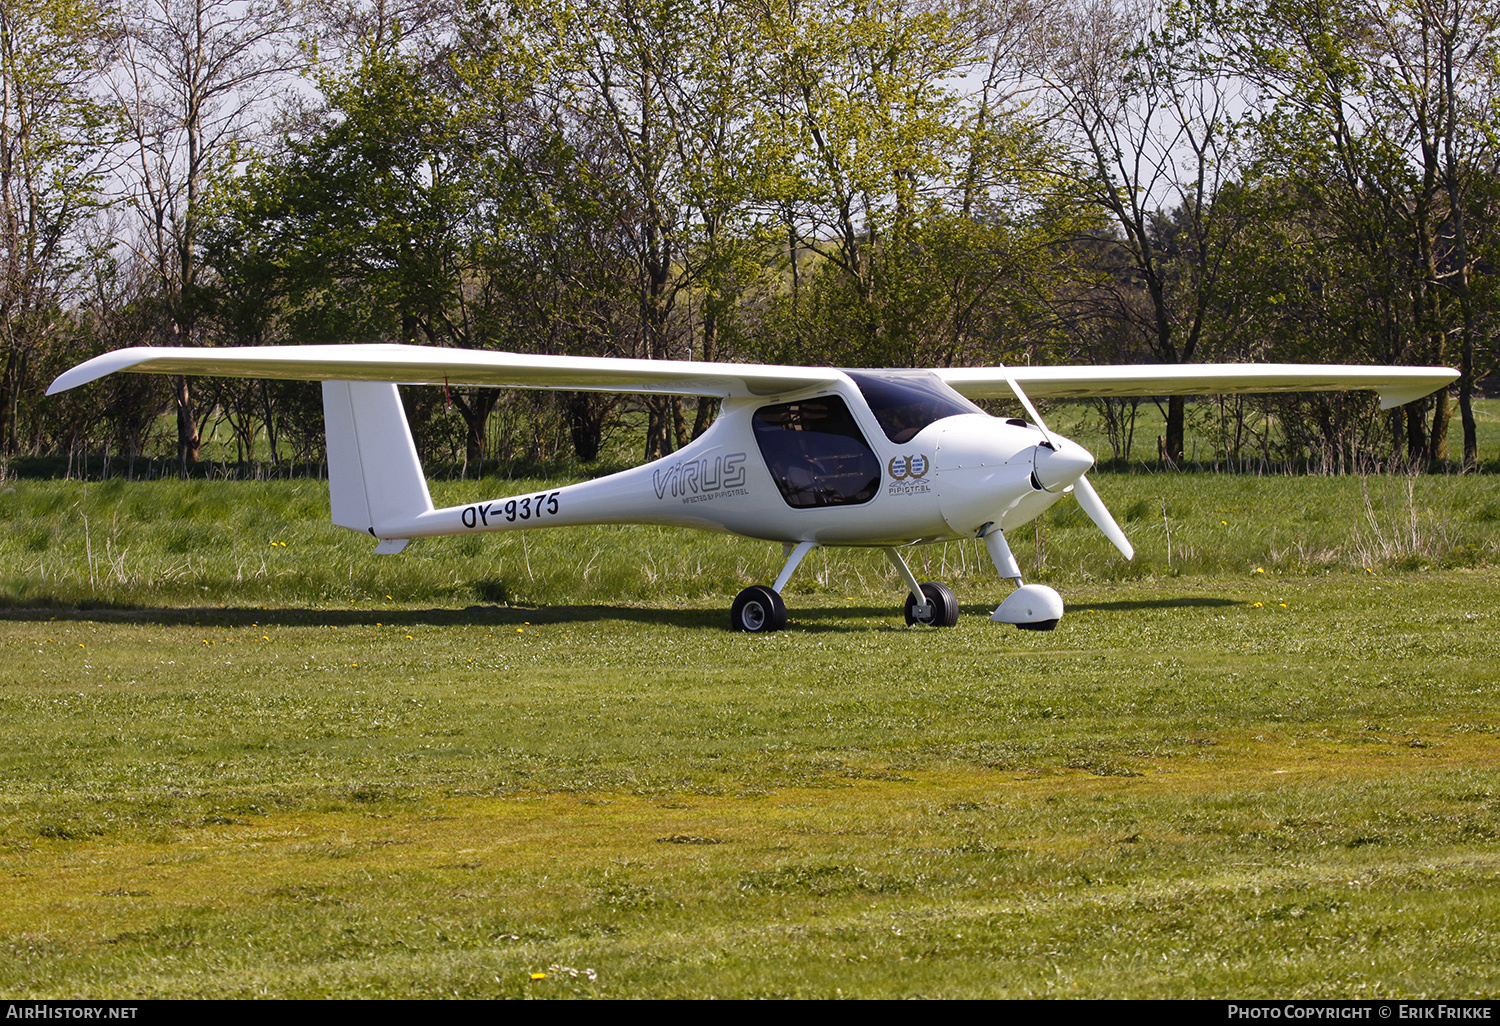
1379 128
53 133
370 204
861 183
915 221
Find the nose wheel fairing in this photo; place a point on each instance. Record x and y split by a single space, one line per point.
1031 607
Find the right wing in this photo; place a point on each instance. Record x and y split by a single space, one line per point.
1396 385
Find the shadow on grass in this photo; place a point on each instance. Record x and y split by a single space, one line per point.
842 619
293 616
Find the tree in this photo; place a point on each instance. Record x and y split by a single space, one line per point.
916 219
193 82
855 115
649 95
428 203
1152 108
52 139
1385 109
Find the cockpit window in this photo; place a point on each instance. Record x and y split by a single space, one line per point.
816 453
905 404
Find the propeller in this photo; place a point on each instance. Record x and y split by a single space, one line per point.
1094 506
1083 491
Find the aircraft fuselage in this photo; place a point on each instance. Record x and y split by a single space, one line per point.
820 467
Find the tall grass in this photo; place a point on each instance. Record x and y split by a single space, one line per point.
72 543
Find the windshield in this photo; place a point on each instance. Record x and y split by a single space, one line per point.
904 404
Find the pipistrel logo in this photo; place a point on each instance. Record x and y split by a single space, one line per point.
903 467
907 473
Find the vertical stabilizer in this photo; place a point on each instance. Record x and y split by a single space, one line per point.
375 481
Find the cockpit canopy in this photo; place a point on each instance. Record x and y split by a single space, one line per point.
906 402
815 450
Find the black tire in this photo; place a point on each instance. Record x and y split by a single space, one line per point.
940 600
757 610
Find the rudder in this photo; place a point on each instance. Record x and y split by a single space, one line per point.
375 480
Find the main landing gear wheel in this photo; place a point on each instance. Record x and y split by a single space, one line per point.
942 607
758 610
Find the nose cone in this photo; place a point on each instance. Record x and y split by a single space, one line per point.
1060 464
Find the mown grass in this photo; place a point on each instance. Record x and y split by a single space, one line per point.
235 767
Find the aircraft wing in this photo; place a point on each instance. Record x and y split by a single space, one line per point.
1396 385
430 365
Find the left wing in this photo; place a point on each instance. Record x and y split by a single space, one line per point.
430 365
1396 385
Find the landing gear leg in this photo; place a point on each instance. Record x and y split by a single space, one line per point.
759 609
1031 607
928 603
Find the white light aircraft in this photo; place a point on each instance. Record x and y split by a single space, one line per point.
804 456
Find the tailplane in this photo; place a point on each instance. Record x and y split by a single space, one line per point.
375 480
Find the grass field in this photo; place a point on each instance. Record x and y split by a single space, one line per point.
243 756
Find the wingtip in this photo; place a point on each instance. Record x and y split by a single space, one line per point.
101 366
1400 394
71 379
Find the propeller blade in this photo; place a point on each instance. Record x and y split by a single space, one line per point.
1099 514
1036 418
